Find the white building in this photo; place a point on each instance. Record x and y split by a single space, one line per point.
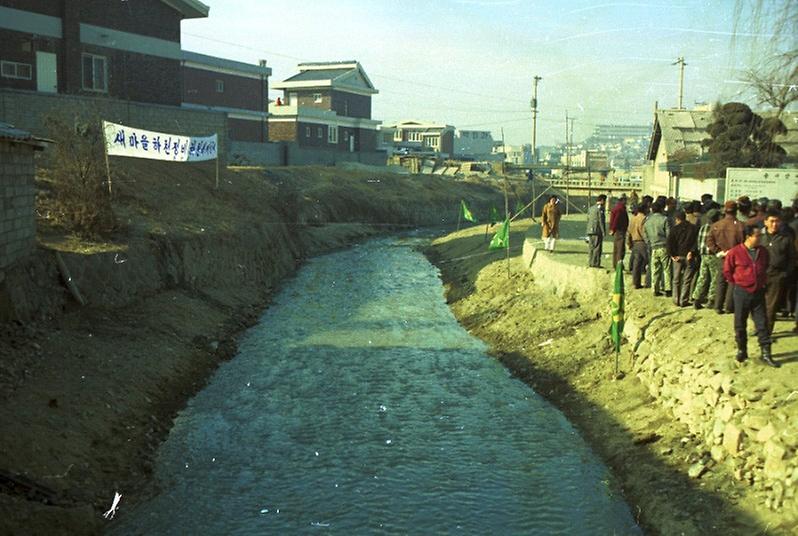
473 144
515 154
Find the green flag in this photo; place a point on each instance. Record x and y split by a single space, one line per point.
616 306
494 216
501 239
467 213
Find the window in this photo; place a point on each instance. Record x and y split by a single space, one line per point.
414 136
317 98
307 132
332 134
431 141
220 86
320 133
95 73
12 69
397 135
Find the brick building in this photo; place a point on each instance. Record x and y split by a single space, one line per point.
417 137
327 105
127 50
239 89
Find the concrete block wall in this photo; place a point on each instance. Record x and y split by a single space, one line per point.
256 154
17 202
30 110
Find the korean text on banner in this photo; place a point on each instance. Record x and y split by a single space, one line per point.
121 140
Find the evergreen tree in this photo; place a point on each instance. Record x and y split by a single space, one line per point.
741 138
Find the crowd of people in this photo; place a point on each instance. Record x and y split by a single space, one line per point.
737 258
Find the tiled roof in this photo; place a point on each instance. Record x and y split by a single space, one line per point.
9 132
685 129
318 74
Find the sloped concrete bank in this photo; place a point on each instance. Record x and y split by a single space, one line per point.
742 415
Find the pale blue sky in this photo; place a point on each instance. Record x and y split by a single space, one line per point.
470 63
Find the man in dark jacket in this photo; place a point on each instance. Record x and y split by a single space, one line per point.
723 236
619 225
745 267
596 229
707 203
781 252
683 251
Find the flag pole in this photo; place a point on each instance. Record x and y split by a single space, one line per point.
107 161
459 214
217 168
507 217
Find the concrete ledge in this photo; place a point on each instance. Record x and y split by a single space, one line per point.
586 283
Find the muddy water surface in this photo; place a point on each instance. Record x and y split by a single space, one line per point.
358 405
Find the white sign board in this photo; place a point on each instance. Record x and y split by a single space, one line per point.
121 140
773 183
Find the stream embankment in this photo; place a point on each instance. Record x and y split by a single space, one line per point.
699 443
88 393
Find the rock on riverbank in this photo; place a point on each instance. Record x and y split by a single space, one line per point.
699 444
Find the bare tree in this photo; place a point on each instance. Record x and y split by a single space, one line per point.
776 82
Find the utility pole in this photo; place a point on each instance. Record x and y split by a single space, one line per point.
571 143
535 118
504 151
680 62
567 167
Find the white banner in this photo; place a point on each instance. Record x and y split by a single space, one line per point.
121 140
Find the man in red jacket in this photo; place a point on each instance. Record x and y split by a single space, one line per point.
745 266
619 224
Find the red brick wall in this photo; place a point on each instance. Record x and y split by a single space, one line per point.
146 17
368 140
199 87
246 130
21 48
351 105
54 8
132 76
282 131
138 77
306 98
365 139
313 140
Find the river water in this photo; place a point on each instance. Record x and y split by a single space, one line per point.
358 405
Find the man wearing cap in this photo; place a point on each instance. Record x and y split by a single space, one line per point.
723 236
745 268
619 225
596 229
